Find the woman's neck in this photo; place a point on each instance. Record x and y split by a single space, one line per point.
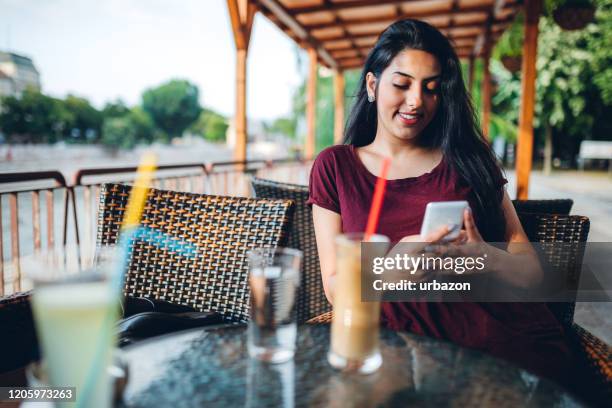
387 147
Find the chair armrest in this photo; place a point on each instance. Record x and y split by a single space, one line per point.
325 318
598 353
595 359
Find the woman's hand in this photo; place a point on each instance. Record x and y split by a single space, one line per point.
415 245
470 243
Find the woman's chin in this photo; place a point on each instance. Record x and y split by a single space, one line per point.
409 136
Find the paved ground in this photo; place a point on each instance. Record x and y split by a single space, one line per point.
592 195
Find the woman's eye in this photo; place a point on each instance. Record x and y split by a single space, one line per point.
400 86
431 88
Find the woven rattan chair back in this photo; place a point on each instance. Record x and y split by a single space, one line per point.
311 300
562 239
221 229
560 206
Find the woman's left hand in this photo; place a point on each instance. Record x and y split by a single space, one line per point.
469 243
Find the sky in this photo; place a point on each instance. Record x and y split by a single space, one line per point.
108 49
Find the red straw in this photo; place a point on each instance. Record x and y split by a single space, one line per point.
379 193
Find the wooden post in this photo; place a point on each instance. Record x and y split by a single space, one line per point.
242 14
524 156
311 99
471 64
486 95
338 106
240 120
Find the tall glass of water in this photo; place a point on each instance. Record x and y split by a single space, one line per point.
274 276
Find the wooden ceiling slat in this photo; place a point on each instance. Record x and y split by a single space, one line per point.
321 17
337 44
459 42
426 7
407 13
345 5
369 30
365 12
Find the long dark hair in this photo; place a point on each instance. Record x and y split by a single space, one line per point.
454 128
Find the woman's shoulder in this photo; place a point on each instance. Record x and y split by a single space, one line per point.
333 157
335 153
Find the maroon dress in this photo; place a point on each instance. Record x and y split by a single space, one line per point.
527 334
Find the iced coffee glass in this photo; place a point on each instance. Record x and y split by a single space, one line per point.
355 325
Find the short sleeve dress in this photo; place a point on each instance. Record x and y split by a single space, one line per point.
527 334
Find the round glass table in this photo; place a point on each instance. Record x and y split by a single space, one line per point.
210 367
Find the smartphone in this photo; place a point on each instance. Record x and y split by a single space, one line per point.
438 214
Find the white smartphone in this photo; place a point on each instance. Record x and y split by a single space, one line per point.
439 214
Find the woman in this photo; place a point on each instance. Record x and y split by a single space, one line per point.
412 106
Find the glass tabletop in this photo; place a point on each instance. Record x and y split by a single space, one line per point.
211 368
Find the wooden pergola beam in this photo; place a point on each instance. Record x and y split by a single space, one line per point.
346 6
400 16
486 93
440 27
338 106
276 8
242 15
337 54
311 99
524 157
471 69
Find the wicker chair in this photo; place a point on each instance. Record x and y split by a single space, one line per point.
311 300
18 336
594 355
560 206
552 232
222 229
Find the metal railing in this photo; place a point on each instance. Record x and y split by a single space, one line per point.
21 193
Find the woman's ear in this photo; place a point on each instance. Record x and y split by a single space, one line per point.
371 85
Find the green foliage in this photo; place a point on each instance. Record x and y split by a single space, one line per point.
33 118
285 126
115 109
86 121
599 44
510 43
573 85
173 106
211 126
134 127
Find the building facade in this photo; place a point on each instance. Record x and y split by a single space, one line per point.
16 74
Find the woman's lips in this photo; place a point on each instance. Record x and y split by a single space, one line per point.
409 119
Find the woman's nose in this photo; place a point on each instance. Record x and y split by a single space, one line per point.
414 97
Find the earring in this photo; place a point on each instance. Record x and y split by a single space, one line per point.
371 98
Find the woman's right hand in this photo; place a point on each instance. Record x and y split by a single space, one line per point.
415 245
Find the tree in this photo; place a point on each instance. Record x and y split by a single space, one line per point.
210 125
173 106
33 118
115 109
127 131
86 121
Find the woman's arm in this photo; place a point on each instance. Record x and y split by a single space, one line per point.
327 225
520 265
